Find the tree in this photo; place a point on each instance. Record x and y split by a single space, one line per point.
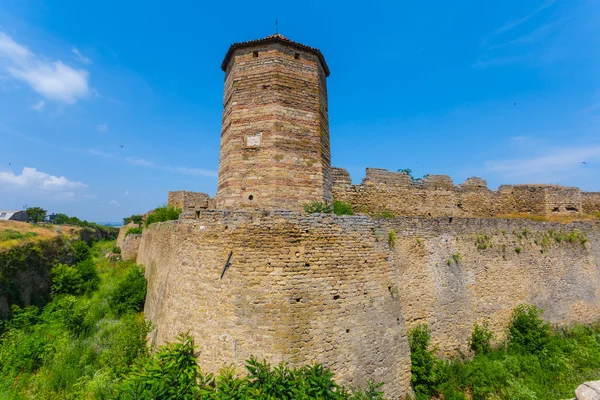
36 214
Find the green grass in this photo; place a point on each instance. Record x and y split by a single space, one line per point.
534 362
162 214
10 234
136 230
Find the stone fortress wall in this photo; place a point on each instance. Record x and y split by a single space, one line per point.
383 191
335 290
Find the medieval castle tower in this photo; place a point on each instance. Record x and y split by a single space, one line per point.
275 129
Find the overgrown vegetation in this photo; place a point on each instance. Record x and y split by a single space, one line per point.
64 219
136 230
318 207
162 214
408 171
10 234
392 238
483 241
455 259
36 214
533 362
342 208
136 219
89 342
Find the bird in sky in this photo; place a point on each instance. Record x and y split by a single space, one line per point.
584 163
515 104
121 146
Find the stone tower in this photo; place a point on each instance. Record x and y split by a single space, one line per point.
275 130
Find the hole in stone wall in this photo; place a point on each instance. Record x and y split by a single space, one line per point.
336 297
555 209
255 53
307 265
197 214
298 299
347 330
250 197
450 220
398 321
297 254
297 56
226 227
571 208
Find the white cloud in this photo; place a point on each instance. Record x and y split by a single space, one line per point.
31 178
80 57
554 161
114 203
39 105
52 79
102 127
139 161
191 171
514 23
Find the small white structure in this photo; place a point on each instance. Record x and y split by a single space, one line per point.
13 215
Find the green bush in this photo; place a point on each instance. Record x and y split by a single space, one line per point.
480 341
87 270
172 373
392 238
66 280
163 213
136 219
527 331
341 208
82 250
136 231
423 362
318 207
130 292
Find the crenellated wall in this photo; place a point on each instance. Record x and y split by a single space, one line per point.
383 191
190 200
336 290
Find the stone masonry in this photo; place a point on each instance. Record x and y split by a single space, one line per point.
275 134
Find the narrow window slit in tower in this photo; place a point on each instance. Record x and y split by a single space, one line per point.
255 53
297 56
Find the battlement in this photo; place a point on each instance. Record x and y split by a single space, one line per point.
190 200
383 191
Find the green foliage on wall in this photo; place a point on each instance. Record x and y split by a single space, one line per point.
134 231
162 214
318 207
534 362
342 208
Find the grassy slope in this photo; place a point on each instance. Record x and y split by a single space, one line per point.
14 233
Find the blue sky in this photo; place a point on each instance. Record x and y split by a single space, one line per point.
430 86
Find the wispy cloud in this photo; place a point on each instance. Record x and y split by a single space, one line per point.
80 57
139 161
114 203
516 22
103 128
54 80
191 171
39 105
553 161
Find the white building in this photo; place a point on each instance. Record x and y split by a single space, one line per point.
13 215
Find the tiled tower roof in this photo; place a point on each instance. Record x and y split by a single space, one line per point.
276 38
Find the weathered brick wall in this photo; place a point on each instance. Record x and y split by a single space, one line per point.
130 246
394 192
456 272
189 200
302 289
275 151
591 202
122 231
334 290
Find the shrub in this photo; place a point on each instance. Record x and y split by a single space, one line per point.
81 250
137 230
392 238
87 270
342 208
318 207
116 250
422 361
527 331
36 214
480 341
136 219
130 293
483 241
66 280
518 250
162 214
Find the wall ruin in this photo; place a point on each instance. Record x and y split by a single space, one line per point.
383 191
190 200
